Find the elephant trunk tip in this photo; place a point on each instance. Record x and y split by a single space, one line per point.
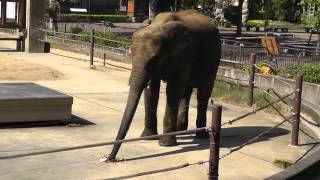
111 158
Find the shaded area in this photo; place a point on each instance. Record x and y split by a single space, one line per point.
74 122
230 137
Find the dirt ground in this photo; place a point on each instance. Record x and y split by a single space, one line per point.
18 69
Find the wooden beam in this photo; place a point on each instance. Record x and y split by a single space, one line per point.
3 12
22 14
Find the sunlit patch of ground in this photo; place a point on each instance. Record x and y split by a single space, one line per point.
17 69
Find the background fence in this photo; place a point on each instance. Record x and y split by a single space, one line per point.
235 51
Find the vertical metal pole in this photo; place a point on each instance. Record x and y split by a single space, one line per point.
215 142
93 32
251 79
104 59
296 111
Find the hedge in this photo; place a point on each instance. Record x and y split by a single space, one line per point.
273 24
94 18
311 73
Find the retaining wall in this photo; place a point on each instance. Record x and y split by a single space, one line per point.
310 92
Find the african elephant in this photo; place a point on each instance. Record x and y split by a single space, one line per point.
182 49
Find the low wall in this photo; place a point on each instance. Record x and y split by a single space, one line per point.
310 92
116 54
307 168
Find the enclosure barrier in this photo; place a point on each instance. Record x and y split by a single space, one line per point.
214 130
214 141
235 51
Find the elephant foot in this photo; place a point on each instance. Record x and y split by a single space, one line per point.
168 141
202 135
181 127
149 132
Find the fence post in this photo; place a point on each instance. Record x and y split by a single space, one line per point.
241 52
251 79
296 111
93 32
104 59
215 142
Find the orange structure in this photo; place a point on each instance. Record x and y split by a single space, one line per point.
137 8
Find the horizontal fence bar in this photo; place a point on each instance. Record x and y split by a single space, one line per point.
193 131
255 138
257 110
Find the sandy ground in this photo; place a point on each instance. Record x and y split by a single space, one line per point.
18 69
99 100
12 68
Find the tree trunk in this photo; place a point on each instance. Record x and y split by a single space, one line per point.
239 18
178 5
153 9
157 6
267 12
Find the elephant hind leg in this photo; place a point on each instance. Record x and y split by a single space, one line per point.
151 97
203 96
182 123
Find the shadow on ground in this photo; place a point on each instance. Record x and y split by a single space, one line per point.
230 137
74 122
8 50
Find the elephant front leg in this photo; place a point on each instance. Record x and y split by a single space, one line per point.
174 94
182 123
169 125
151 97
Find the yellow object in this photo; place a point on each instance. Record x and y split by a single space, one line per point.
265 69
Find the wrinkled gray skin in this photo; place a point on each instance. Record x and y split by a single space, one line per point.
182 49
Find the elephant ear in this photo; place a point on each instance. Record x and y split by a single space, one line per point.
173 38
174 30
145 23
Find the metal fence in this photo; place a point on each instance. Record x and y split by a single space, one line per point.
240 52
234 51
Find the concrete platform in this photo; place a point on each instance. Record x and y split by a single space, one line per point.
27 102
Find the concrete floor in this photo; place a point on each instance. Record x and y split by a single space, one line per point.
99 100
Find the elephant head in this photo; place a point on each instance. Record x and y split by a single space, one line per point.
151 49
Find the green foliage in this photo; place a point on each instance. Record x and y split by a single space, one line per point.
289 71
52 13
245 68
104 39
230 13
273 24
311 73
282 163
238 94
255 9
75 29
255 23
95 18
223 22
279 9
311 21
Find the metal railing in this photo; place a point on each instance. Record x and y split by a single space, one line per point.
240 52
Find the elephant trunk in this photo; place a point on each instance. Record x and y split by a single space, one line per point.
138 81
